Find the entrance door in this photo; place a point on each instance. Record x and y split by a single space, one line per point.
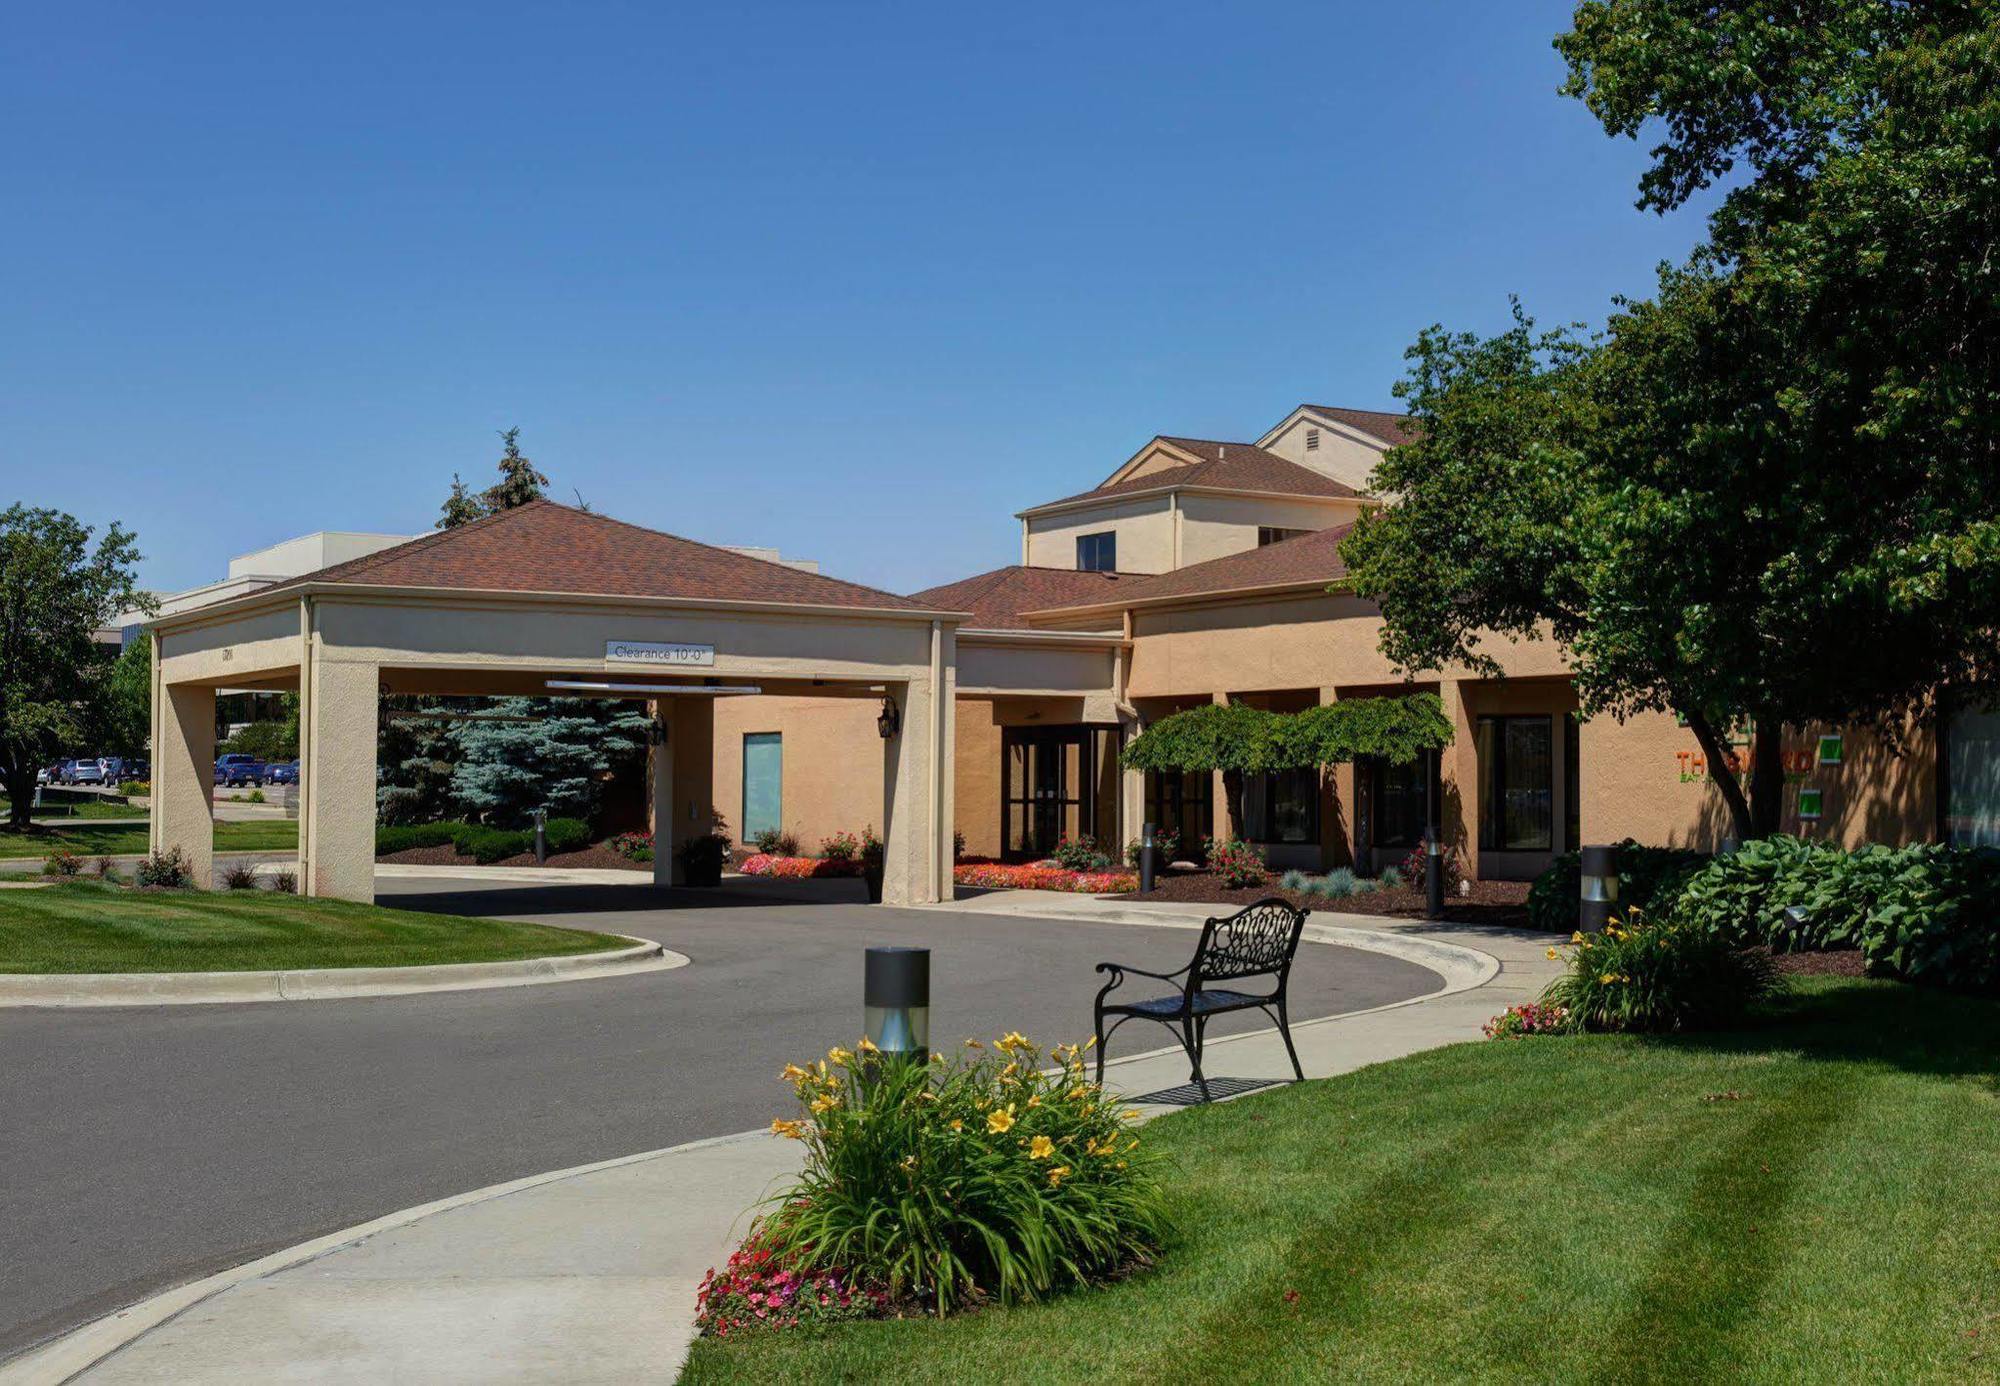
1045 789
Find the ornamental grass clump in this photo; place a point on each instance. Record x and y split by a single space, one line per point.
964 1180
1657 975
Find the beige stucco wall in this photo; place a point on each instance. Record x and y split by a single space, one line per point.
831 765
1339 455
1013 666
1214 526
1144 525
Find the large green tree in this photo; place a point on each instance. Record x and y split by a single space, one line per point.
520 482
1768 491
57 590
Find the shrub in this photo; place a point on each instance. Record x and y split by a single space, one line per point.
134 788
564 835
841 847
963 1179
168 870
871 848
1648 879
62 862
703 855
633 846
285 882
256 796
1656 974
489 845
776 842
1235 864
957 845
1926 913
402 837
107 869
758 1290
1166 848
1079 854
1528 1018
239 876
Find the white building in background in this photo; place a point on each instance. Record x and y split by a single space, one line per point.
286 559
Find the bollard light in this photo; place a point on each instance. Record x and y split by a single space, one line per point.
1147 864
541 835
896 1000
1597 896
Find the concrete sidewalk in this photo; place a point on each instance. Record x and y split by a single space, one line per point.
589 1275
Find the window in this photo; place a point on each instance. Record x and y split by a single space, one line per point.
1972 777
1400 802
1282 807
1312 440
1272 534
1516 784
763 783
1097 553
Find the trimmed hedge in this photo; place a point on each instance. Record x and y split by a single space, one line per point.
484 844
1926 913
1648 878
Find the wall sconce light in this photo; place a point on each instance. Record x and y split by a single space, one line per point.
1599 889
890 721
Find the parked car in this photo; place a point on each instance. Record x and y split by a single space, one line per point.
114 768
237 769
80 772
285 772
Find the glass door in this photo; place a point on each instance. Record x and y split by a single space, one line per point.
1045 788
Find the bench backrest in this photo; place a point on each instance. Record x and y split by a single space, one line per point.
1257 941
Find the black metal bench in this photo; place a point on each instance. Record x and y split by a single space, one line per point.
1257 941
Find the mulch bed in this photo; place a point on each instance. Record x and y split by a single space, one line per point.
598 856
1502 903
1839 962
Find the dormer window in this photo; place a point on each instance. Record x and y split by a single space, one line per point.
1312 440
1097 553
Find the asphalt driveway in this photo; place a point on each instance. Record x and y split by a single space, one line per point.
148 1146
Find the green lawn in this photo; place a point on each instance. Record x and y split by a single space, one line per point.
88 927
1814 1200
89 839
82 810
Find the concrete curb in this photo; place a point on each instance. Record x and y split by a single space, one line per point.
326 983
82 1348
515 875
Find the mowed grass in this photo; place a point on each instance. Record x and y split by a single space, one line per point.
1817 1199
88 927
81 810
88 839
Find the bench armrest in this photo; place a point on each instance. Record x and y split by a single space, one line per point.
1121 969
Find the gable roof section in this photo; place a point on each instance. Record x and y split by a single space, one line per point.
547 547
1392 429
1307 560
999 599
1224 466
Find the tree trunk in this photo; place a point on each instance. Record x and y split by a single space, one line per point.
1723 775
1767 776
1233 796
20 788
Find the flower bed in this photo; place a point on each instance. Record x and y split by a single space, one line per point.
993 875
798 868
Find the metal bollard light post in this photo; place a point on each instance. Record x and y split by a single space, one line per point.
896 1001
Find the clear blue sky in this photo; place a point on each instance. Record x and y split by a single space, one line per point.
857 280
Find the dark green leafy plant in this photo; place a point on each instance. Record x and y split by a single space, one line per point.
961 1180
1648 877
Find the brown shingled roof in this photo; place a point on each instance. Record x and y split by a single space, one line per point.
1233 466
547 547
998 599
1310 558
1393 429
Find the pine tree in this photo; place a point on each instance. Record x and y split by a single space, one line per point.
519 481
556 759
461 507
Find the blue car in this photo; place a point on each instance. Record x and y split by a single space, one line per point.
239 769
283 772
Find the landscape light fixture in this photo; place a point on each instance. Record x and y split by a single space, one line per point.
890 721
1597 894
896 1000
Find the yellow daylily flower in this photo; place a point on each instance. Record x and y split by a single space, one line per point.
1040 1148
790 1130
1554 955
823 1103
1001 1121
1034 1102
974 1044
1078 1093
793 1073
957 1124
837 1055
1132 1115
1011 1041
909 1162
1057 1175
867 1046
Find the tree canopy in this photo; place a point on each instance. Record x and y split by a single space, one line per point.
1768 490
520 482
57 591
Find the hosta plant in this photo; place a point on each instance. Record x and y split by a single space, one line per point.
961 1180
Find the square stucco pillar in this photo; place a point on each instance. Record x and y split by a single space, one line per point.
1340 829
337 770
683 782
919 784
661 797
1131 791
184 777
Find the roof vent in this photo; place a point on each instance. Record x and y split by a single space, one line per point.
1218 452
1312 440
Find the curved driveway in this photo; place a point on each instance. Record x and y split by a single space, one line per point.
147 1146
